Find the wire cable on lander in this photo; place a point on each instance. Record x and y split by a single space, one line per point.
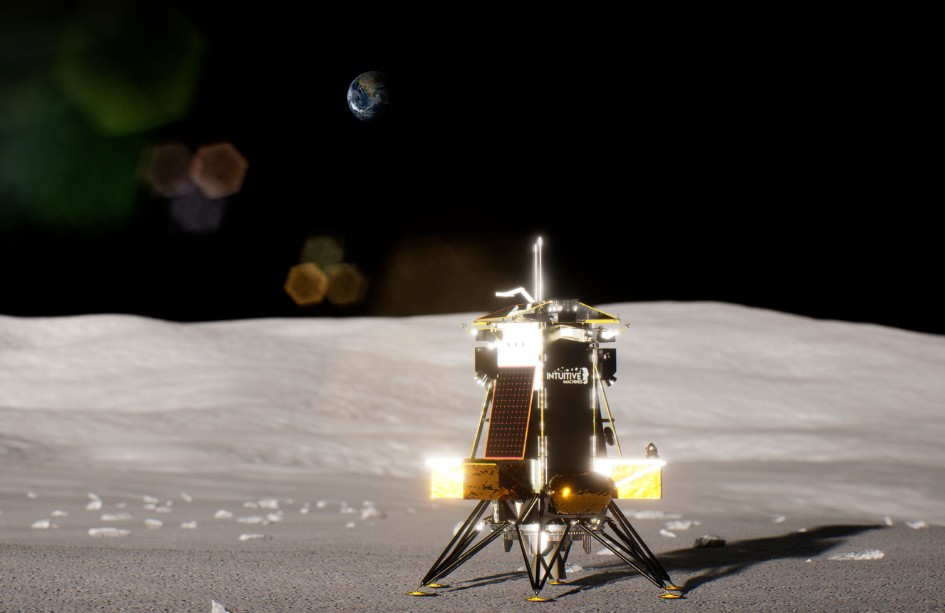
543 476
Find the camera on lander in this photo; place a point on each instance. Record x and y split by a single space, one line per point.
546 464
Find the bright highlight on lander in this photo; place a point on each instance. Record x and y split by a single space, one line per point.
551 467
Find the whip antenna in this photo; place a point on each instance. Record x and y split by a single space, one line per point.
538 281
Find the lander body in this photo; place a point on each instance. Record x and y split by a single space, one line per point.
546 464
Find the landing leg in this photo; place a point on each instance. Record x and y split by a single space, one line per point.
627 545
456 554
453 552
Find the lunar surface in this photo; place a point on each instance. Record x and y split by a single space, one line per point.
278 464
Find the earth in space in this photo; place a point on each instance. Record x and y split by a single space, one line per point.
369 96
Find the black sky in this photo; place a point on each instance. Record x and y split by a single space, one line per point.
658 160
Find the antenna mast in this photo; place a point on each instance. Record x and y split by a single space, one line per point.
538 281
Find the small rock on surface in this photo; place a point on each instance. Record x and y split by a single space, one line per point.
865 554
708 540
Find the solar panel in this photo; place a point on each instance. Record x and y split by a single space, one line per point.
511 409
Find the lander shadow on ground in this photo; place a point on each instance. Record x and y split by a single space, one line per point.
714 562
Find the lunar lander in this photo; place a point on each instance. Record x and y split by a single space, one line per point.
550 470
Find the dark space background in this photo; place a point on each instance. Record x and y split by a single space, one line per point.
774 163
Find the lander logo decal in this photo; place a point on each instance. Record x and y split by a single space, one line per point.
570 376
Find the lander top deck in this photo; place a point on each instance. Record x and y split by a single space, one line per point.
558 311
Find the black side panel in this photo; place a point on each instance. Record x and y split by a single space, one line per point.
607 364
569 393
487 362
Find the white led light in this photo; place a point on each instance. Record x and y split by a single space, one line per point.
520 345
443 463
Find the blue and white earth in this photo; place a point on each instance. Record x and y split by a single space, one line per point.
369 95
